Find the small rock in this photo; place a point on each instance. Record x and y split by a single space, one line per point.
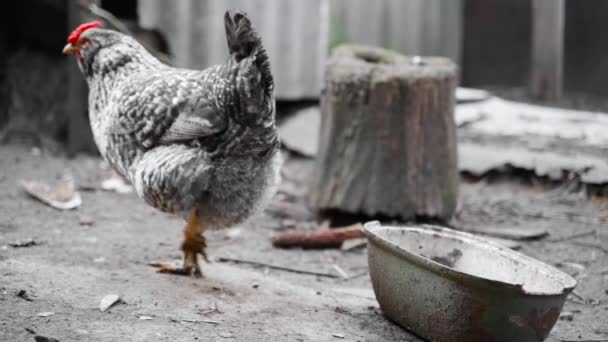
226 334
24 243
99 260
145 318
108 301
39 338
45 314
566 316
232 234
338 335
86 221
255 286
23 294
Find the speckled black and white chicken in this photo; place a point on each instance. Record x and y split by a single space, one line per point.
199 144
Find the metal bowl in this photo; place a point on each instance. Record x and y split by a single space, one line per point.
446 285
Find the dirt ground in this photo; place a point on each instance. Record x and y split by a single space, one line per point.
76 265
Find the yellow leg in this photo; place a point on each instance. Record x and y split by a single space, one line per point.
194 244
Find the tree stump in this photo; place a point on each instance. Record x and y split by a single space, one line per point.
387 144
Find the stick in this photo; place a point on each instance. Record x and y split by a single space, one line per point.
590 244
275 267
342 272
200 321
321 238
573 236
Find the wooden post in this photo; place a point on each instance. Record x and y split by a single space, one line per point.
547 49
80 138
388 139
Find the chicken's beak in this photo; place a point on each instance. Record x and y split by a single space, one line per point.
70 49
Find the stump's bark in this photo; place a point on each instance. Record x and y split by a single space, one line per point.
388 138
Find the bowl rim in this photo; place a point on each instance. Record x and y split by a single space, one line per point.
566 282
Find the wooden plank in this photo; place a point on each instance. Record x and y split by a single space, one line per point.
547 49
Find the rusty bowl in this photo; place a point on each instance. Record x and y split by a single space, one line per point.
446 285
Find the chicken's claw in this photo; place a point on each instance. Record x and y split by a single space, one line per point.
193 245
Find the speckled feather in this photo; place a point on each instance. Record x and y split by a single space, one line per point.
187 139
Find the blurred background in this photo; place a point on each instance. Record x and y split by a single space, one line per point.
42 96
531 174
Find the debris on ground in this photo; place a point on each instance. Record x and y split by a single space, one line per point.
108 301
573 236
276 267
512 244
39 338
62 196
23 294
115 183
213 309
353 244
130 233
514 233
86 221
45 314
25 243
567 316
321 238
189 320
226 335
341 271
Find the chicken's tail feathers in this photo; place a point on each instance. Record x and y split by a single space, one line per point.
244 42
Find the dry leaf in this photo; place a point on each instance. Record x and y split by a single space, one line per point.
62 196
116 184
108 301
45 314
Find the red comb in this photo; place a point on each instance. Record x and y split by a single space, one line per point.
75 35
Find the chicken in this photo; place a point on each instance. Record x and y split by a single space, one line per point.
199 144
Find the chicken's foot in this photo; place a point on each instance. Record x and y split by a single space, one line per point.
194 244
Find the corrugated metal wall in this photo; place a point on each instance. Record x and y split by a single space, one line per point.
414 27
295 35
298 34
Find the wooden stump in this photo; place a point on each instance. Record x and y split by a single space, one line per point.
388 139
